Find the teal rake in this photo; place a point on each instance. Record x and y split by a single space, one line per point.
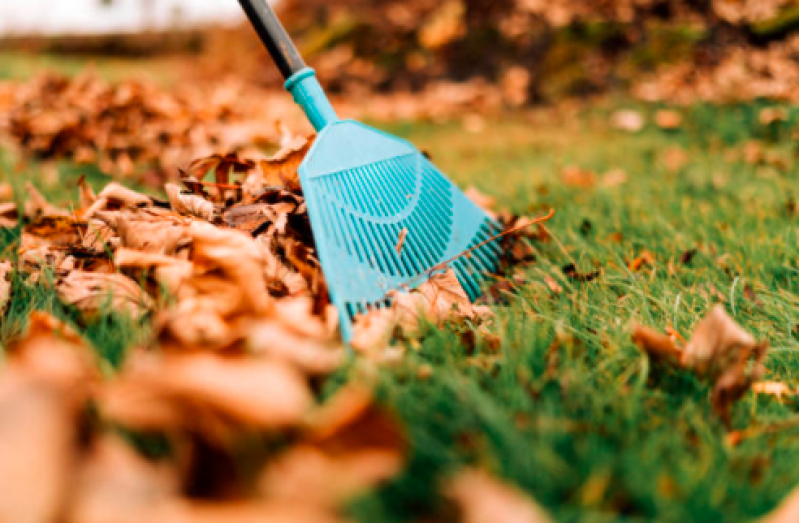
366 190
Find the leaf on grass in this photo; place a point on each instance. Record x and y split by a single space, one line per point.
372 332
644 259
577 177
627 120
480 497
93 292
9 216
439 299
719 351
6 273
571 272
668 120
773 388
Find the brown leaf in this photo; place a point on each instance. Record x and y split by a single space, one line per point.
577 177
282 169
6 275
439 299
668 120
349 446
93 292
645 258
372 331
719 351
115 484
401 241
628 121
481 497
206 393
571 272
190 204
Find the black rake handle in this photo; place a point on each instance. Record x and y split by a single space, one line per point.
274 37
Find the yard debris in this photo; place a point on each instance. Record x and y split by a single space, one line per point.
719 351
628 121
480 497
126 125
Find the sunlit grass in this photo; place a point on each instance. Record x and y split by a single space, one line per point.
567 408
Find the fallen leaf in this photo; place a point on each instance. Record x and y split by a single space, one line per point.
645 258
577 177
773 388
190 204
628 121
480 497
571 272
401 241
93 292
668 120
206 393
719 351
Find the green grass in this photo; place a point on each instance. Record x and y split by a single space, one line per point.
568 408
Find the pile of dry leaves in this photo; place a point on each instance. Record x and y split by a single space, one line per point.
122 126
225 391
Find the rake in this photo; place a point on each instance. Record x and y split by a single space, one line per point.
383 217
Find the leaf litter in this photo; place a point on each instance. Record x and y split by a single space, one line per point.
226 271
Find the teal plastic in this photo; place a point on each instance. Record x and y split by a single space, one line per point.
363 188
308 94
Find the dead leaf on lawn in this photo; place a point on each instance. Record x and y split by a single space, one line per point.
646 258
93 292
480 497
773 388
577 177
719 351
628 121
6 274
438 300
668 120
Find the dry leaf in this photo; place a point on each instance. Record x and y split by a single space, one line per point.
6 275
401 241
668 120
481 498
93 292
576 177
350 445
719 351
628 121
194 390
190 204
773 388
438 300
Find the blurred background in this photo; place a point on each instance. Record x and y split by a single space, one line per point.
388 60
515 51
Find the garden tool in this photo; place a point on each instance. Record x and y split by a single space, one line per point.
382 215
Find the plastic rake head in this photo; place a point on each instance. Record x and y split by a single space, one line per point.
364 188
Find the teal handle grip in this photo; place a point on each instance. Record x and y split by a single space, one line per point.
310 96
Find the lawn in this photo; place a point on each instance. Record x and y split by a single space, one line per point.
567 407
